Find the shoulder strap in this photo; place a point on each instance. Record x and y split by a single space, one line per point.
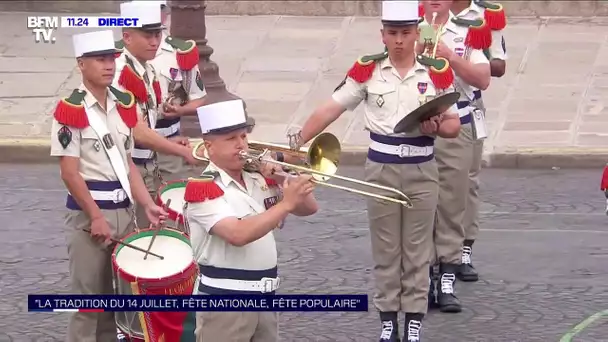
126 106
186 52
364 67
494 14
70 111
109 145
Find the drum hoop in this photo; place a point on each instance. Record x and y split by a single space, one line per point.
149 232
169 186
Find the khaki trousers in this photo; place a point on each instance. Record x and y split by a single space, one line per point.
401 238
171 167
91 273
237 327
152 184
471 216
454 159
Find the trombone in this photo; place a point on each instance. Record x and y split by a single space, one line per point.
322 156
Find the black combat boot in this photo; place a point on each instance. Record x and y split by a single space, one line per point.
448 302
390 328
413 326
467 272
432 289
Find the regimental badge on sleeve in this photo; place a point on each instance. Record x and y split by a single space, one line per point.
65 136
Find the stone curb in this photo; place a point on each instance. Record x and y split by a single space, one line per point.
36 151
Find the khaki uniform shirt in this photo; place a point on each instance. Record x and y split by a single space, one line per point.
497 49
171 77
86 145
238 202
388 97
453 36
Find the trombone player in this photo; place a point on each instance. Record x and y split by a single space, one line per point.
231 214
391 85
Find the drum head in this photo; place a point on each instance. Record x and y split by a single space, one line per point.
175 192
432 108
174 246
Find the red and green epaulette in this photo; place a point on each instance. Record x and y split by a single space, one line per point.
479 35
120 46
364 67
186 52
203 188
130 80
126 106
440 71
494 14
70 111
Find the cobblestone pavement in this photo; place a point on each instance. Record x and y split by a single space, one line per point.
541 255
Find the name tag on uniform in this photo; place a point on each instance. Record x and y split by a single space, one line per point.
269 202
478 121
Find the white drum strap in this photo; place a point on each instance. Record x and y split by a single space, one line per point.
109 145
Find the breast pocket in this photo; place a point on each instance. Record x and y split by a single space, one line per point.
90 142
382 98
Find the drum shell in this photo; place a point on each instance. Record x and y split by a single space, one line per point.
155 326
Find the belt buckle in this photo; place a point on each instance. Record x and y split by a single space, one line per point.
404 150
119 195
268 284
417 151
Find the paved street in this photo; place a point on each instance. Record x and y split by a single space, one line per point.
542 255
554 98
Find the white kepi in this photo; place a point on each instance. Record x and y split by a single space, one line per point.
96 43
400 13
223 117
149 16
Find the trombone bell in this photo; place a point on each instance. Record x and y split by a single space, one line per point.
322 155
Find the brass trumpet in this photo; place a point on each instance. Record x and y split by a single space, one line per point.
322 156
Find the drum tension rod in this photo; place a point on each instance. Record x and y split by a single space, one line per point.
130 246
158 228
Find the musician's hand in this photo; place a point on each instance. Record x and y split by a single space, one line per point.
100 231
171 111
155 214
444 51
296 189
181 140
429 126
269 169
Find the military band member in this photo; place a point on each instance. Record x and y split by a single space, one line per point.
231 215
494 15
182 88
92 136
135 73
460 43
391 85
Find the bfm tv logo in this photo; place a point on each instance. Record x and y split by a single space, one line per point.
43 28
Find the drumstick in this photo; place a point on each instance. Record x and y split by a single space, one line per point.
158 227
130 246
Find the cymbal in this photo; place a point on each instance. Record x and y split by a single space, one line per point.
432 108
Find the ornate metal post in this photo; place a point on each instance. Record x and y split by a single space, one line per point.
188 22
